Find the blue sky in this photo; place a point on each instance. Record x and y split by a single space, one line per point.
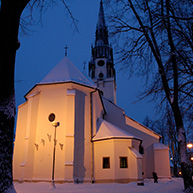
44 48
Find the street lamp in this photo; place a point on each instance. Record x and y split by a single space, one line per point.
189 151
55 124
189 145
51 118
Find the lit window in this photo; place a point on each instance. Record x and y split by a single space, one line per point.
106 162
123 162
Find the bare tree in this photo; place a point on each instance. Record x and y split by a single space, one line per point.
154 38
10 13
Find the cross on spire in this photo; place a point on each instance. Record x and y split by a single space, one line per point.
66 50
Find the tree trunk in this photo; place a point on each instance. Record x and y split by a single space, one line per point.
9 25
185 166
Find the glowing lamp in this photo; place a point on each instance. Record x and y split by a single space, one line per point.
191 158
55 124
189 145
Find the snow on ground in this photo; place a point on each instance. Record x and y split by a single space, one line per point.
174 185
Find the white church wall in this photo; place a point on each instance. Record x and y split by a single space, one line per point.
115 149
116 116
52 100
148 162
161 163
18 162
121 150
85 140
29 130
135 164
71 105
108 87
104 149
81 154
97 110
148 154
69 134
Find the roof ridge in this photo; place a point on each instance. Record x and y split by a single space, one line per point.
66 71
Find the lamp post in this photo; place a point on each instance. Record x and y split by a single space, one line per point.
190 146
55 124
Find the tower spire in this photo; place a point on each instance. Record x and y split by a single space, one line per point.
101 29
101 66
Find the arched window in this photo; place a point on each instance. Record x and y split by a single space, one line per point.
101 75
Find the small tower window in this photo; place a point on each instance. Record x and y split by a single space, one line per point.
101 75
101 63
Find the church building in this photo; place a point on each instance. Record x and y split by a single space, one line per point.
70 128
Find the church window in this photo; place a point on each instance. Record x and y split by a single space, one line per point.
51 117
101 63
106 162
101 75
123 162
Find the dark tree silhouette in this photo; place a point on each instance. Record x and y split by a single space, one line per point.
155 39
10 14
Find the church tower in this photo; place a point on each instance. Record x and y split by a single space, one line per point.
101 66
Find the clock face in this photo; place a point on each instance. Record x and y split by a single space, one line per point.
101 63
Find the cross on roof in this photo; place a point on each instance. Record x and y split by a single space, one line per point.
84 64
66 49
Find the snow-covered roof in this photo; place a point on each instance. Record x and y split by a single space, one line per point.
159 146
107 130
66 71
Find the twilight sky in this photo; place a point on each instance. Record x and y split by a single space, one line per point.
44 48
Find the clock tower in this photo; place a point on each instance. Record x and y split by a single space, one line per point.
101 65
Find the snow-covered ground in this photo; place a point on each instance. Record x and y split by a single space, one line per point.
174 185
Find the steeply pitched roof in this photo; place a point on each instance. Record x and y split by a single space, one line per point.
101 29
107 130
101 18
66 71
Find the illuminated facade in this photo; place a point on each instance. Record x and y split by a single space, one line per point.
95 141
